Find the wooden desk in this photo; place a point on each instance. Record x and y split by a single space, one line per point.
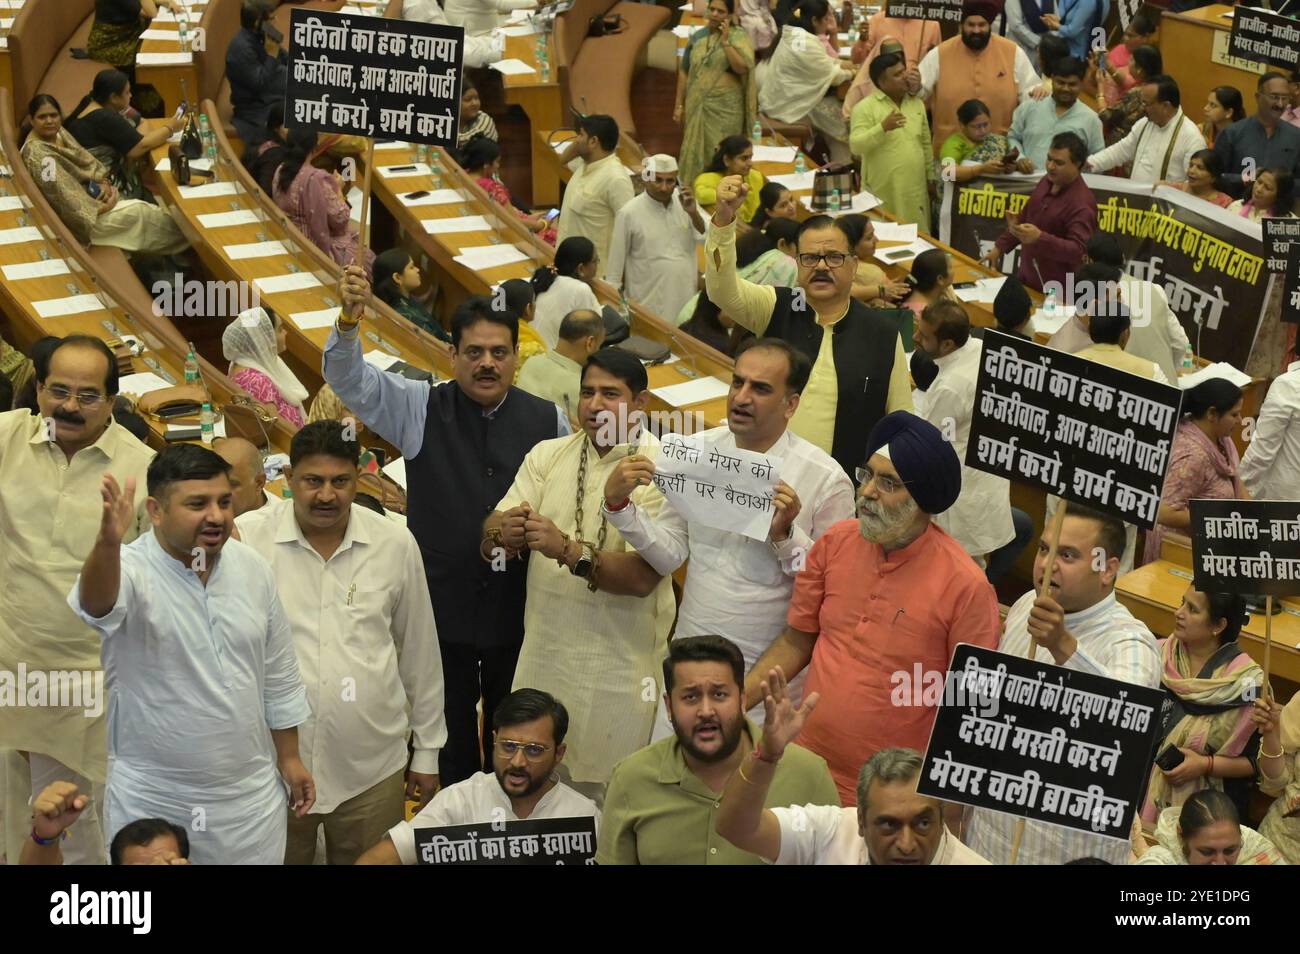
1190 44
542 103
167 77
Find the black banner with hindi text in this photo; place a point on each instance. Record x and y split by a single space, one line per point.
530 841
1246 546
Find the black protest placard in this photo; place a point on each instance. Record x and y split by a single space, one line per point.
374 77
541 841
941 10
1040 741
1246 546
1088 433
1282 238
1127 10
1265 37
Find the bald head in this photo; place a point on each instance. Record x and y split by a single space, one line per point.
247 478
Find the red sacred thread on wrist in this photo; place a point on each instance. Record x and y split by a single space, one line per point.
758 754
620 507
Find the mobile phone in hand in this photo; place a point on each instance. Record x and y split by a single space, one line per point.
1171 758
552 215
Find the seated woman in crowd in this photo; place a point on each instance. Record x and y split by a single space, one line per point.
474 122
1118 117
521 301
1117 78
870 284
77 186
252 343
733 157
1271 196
1206 830
482 160
710 325
716 94
931 281
1204 460
1279 752
775 201
801 75
764 257
115 39
397 278
98 124
975 150
565 286
1223 108
1203 171
1209 687
316 202
263 158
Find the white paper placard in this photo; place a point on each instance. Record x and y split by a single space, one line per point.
727 489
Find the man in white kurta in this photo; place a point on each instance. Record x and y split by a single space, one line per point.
652 254
1159 146
199 674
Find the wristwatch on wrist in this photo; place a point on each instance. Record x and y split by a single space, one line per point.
582 566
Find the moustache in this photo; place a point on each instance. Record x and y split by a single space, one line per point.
67 418
486 376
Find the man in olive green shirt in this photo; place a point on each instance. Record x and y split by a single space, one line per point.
662 801
556 375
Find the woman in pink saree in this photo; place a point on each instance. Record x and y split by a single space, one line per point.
315 200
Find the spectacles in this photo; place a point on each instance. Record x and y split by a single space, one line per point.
533 751
1277 97
832 259
86 399
886 484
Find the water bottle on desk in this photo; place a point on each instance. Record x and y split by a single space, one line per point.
834 205
191 368
1189 358
183 25
799 167
207 423
1050 305
757 133
422 152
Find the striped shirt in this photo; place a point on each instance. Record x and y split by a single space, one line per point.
1112 643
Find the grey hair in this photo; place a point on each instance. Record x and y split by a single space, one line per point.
888 765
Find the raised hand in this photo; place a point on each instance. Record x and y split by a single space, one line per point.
56 809
786 504
687 198
119 510
732 191
783 721
354 289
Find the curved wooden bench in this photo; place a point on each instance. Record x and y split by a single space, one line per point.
40 43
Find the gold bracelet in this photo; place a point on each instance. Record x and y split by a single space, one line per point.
741 770
1265 755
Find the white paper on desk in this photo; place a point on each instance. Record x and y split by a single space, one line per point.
391 144
210 191
71 305
512 67
218 428
898 254
13 203
255 250
294 281
307 320
862 202
481 257
464 223
685 30
520 29
895 231
4 42
173 35
396 470
164 59
7 23
165 164
727 491
985 290
774 153
795 181
1220 369
380 359
26 233
1050 325
219 220
141 384
517 16
436 197
405 170
54 266
692 392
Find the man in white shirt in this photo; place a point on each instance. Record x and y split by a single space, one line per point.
353 586
980 520
739 587
247 475
529 727
1271 468
599 188
1078 624
1160 145
891 825
480 50
652 256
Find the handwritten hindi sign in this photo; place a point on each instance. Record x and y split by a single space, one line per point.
1091 434
1265 37
541 841
1044 742
1246 546
941 10
1282 238
370 76
723 488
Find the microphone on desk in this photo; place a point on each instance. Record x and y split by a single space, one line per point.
693 371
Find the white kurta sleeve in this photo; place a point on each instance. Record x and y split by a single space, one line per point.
284 697
419 661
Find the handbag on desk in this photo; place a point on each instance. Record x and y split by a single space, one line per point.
836 177
179 400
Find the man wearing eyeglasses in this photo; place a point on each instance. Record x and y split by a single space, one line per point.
50 472
527 746
1262 141
859 370
881 605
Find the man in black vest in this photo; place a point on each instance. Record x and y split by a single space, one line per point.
860 374
463 441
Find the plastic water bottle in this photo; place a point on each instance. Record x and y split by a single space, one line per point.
1049 306
422 152
183 24
624 308
207 423
1189 358
191 369
799 167
757 132
834 202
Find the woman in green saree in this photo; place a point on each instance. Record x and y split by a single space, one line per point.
716 95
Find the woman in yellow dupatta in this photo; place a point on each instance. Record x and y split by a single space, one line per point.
716 95
1210 688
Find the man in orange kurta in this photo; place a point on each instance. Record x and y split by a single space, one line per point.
976 64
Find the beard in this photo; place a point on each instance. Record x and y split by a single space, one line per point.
883 524
533 783
730 740
976 41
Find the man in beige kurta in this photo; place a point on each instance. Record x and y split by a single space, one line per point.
50 509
